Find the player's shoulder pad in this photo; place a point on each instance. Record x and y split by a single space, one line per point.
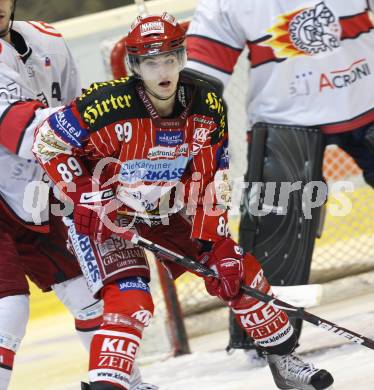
106 101
208 98
200 81
197 75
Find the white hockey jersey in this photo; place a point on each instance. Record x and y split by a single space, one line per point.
312 61
41 69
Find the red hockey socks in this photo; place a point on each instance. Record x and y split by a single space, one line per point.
128 307
267 325
113 352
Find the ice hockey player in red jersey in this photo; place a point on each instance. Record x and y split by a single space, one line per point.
146 153
37 73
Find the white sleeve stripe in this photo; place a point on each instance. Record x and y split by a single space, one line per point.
102 142
110 138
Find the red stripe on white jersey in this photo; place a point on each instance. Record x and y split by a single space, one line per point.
208 51
14 122
354 123
355 25
259 55
45 28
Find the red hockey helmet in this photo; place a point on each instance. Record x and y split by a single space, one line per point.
152 36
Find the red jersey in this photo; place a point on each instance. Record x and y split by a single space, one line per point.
157 165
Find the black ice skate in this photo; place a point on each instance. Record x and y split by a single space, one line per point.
290 372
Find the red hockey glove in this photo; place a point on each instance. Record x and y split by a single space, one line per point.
226 259
93 213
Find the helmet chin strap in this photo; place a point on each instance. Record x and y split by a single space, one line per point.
154 94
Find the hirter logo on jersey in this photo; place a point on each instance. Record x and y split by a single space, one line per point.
308 31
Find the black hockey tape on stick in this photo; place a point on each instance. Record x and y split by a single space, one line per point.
293 311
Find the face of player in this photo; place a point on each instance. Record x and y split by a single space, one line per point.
160 73
6 8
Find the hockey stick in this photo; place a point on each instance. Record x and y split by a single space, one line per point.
293 311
